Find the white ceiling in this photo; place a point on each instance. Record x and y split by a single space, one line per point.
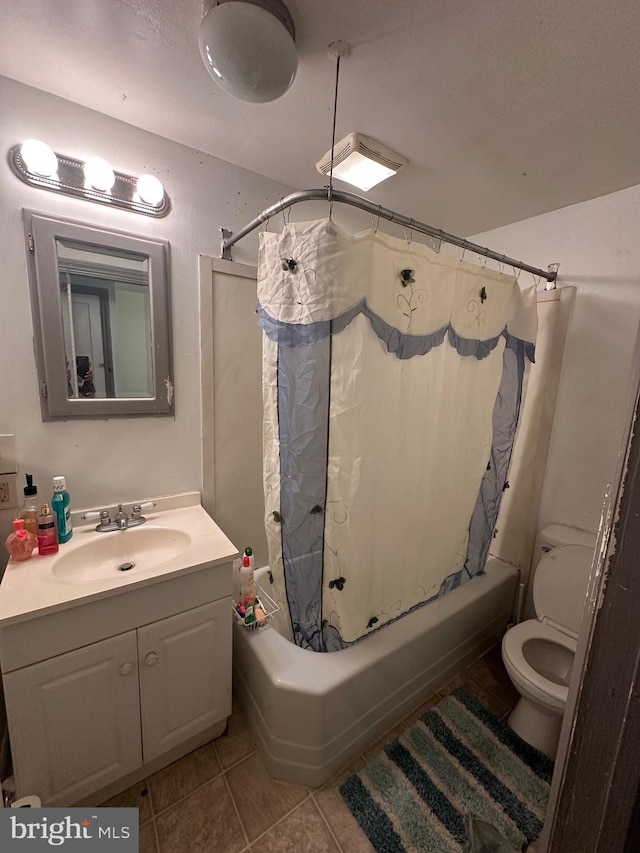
504 108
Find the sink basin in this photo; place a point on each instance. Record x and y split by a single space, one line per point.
121 553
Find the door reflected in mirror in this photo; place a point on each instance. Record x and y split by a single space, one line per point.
102 334
106 316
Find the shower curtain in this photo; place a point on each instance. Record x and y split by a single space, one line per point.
392 380
517 524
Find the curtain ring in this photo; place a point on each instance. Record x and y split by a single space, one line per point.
440 240
410 240
375 223
518 273
501 264
282 210
464 249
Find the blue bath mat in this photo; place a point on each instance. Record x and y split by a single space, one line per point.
457 759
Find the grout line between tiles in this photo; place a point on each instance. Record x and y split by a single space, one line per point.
273 825
240 760
489 690
235 807
156 836
210 779
150 795
233 764
326 823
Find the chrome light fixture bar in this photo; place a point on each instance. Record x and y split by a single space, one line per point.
38 165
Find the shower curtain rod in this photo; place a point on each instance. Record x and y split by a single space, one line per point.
326 194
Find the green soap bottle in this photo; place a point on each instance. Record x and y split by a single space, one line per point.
60 505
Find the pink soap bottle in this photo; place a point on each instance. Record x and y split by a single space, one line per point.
21 542
47 533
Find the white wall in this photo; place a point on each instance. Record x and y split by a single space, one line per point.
595 242
597 246
118 459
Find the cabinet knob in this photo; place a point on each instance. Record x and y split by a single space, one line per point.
126 669
151 659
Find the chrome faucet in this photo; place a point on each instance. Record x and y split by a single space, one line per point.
120 521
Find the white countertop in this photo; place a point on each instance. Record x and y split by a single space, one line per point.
31 588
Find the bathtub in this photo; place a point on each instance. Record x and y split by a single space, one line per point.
310 713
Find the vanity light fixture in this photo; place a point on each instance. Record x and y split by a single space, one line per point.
361 161
35 163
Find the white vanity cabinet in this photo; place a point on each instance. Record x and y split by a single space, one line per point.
81 727
108 691
185 676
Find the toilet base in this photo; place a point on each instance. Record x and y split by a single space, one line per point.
538 726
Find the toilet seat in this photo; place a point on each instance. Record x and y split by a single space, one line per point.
513 655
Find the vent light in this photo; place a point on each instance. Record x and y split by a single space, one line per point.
361 161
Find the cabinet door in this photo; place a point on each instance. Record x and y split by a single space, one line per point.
185 675
74 720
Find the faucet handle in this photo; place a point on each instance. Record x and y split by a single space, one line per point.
103 515
138 509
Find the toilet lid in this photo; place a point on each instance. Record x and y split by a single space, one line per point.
560 585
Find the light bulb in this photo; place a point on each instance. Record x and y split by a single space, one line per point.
361 171
99 174
39 158
150 189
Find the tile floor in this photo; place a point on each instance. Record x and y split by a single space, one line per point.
220 798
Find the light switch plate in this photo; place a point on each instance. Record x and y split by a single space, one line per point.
8 455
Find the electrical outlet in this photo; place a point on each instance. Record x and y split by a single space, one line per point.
8 491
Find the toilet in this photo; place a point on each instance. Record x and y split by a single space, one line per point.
538 654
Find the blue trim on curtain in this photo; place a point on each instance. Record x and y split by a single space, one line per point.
506 411
303 416
397 342
303 376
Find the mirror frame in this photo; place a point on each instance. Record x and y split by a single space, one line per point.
41 232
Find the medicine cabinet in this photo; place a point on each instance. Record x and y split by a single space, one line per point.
101 314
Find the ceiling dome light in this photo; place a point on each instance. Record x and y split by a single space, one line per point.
248 47
39 158
99 174
150 189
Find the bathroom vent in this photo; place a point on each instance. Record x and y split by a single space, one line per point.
361 161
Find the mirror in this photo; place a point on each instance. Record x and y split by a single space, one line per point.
100 304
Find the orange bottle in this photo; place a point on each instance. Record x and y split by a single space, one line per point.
21 542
